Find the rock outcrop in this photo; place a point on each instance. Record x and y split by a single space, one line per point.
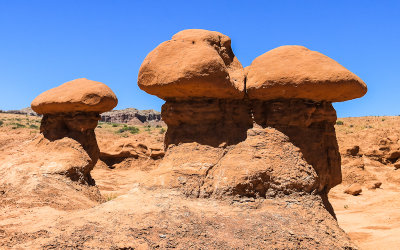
294 106
203 84
54 168
73 110
271 136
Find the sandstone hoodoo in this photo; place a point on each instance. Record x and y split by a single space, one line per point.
72 110
243 147
292 89
202 82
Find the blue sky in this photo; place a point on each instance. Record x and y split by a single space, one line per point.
46 43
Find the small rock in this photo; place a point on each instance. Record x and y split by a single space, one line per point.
397 165
353 189
163 236
375 185
353 150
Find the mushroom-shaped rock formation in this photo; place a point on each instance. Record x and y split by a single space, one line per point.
292 90
72 110
262 150
202 82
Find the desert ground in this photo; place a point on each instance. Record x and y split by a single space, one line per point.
368 147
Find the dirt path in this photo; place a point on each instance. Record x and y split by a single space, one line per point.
371 219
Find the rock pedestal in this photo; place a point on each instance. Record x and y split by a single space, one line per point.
309 125
207 121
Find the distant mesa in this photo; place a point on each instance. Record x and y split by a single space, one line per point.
133 116
130 116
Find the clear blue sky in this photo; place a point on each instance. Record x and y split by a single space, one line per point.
46 43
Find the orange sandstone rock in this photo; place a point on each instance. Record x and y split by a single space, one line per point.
79 95
353 189
194 63
295 72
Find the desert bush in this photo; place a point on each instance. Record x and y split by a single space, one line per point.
339 123
1 123
33 126
110 196
132 130
351 125
162 130
114 125
17 125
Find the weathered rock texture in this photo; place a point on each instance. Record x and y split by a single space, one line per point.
78 126
309 125
206 121
125 152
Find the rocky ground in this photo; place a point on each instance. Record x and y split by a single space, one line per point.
129 215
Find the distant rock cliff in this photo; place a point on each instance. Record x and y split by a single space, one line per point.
25 111
130 115
133 116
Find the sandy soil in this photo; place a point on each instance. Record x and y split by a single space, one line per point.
372 219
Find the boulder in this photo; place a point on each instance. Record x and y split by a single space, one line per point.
353 151
354 189
193 64
79 95
374 185
291 72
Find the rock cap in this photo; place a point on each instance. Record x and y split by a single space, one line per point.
79 95
194 63
290 72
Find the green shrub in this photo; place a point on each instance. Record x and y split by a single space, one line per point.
339 123
1 123
132 130
114 125
33 126
383 119
17 125
162 130
99 126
